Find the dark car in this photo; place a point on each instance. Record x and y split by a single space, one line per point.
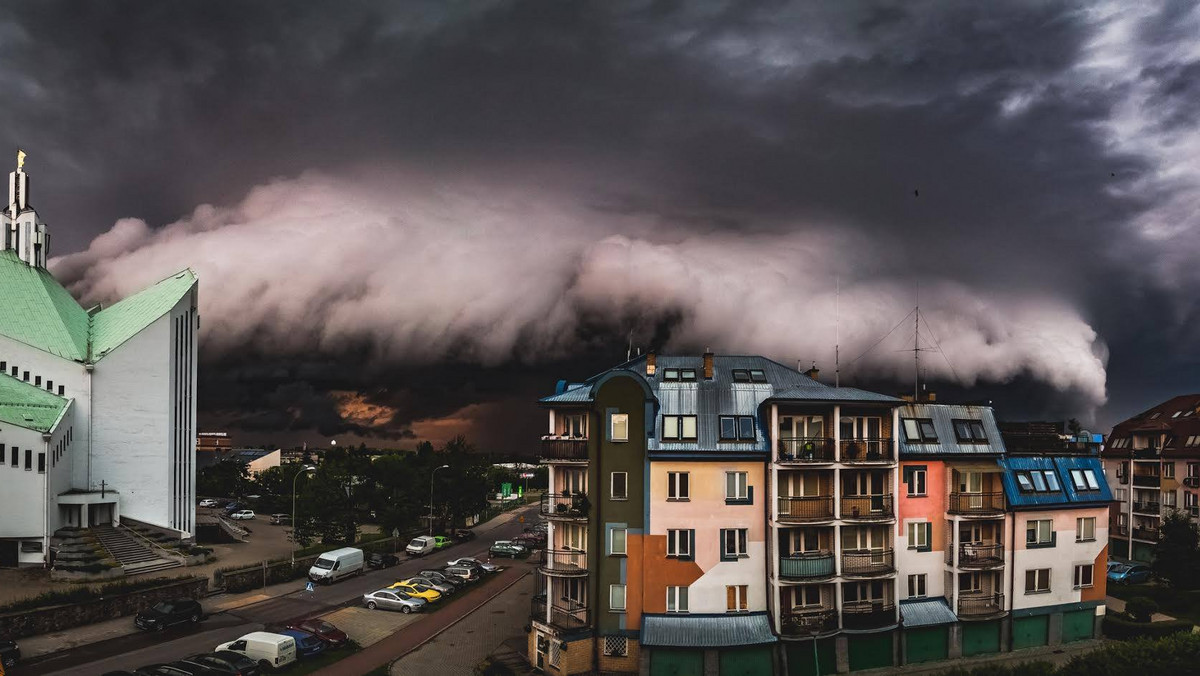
307 645
118 673
281 519
234 506
464 534
323 630
439 576
166 613
228 662
173 669
378 560
10 654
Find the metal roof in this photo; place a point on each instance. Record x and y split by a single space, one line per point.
926 612
943 417
114 325
705 631
247 454
28 406
1061 466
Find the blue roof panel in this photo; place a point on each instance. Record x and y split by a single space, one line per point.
705 631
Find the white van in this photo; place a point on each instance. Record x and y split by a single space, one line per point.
333 566
421 546
271 651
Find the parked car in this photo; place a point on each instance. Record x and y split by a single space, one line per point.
242 514
10 654
464 534
1129 574
271 651
389 599
530 540
226 662
173 669
464 573
470 561
379 560
307 645
208 502
233 506
429 594
441 542
332 566
323 630
506 548
445 588
167 613
421 545
438 576
281 519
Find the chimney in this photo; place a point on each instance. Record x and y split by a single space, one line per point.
931 396
813 372
650 363
907 396
708 363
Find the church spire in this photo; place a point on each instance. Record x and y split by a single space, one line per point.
23 230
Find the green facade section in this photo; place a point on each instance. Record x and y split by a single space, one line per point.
1143 552
1030 632
802 662
980 638
676 662
752 661
926 644
1078 625
870 651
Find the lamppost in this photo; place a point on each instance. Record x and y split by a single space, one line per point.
435 469
306 468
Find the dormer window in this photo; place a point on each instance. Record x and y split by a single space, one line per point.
970 431
741 375
737 428
679 428
920 431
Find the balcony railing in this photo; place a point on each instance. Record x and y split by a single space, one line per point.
1147 507
1147 480
1191 481
805 449
1120 530
564 448
866 450
567 615
868 614
565 504
806 566
980 605
977 503
808 622
805 508
867 562
865 507
1150 534
565 562
980 555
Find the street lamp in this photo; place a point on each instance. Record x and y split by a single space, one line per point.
435 469
306 468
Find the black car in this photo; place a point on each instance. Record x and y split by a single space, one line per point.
463 535
171 670
378 560
10 654
233 507
166 613
442 578
228 662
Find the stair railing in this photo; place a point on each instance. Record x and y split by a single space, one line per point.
155 546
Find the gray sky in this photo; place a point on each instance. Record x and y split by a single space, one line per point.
410 219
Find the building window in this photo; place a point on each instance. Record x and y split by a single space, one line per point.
616 544
1037 581
1039 533
620 426
1085 529
679 543
1119 494
677 599
1083 576
679 427
746 428
1193 469
735 598
671 374
25 376
37 381
1168 498
970 582
31 546
1084 480
918 536
42 463
61 389
1038 481
919 431
49 385
16 453
616 597
970 431
737 428
1168 470
619 486
616 646
914 479
916 586
677 486
28 460
687 375
741 375
733 544
574 426
758 376
736 488
1189 499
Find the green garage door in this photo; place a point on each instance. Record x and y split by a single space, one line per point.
1030 632
870 651
926 644
1119 549
667 662
754 661
979 638
802 662
1077 625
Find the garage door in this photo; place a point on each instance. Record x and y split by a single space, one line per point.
1030 632
926 644
754 661
979 638
666 662
1120 549
870 651
1078 624
802 662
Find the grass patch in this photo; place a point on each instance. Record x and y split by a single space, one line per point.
1183 605
308 666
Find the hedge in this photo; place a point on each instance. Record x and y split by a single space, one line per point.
1168 655
83 594
1124 629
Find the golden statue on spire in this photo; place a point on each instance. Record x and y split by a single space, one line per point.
20 158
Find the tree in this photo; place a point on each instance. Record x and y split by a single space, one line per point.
1074 427
225 479
1177 557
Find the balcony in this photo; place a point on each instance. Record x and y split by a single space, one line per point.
1152 508
568 616
806 566
876 450
868 563
1120 530
977 504
565 563
980 555
1152 480
564 448
801 623
977 605
565 505
805 508
868 614
867 507
1147 534
801 450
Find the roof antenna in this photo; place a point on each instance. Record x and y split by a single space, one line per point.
837 331
629 350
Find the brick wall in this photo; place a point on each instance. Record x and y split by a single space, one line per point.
57 618
629 664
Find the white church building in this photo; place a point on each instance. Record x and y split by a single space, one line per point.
97 405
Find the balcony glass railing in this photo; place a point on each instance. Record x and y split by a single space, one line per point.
977 503
974 555
806 566
805 508
565 562
1146 507
973 604
867 450
565 504
564 448
1146 480
808 621
868 614
1150 534
866 507
805 449
868 562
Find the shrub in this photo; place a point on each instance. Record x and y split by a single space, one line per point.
1141 609
1123 629
1174 654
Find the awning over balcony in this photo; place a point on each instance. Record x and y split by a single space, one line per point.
926 613
706 631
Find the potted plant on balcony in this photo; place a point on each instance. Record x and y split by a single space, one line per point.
580 504
809 449
853 450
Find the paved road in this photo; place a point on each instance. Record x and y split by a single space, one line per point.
130 652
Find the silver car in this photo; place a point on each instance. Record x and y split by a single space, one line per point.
475 563
443 587
392 600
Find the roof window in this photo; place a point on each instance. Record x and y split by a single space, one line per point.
1155 415
735 428
1176 414
970 431
741 375
758 376
1038 481
1084 480
670 374
687 375
920 431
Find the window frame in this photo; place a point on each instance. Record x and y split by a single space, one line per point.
1036 575
918 586
1035 525
913 481
680 422
612 541
739 537
671 375
1081 529
923 436
1091 575
679 543
743 484
758 376
1168 470
743 434
976 433
740 375
918 535
679 487
741 598
613 419
612 486
674 594
612 607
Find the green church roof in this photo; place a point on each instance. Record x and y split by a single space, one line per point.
27 406
117 324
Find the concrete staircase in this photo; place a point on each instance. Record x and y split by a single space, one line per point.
133 555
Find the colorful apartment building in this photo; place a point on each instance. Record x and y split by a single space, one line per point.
1152 464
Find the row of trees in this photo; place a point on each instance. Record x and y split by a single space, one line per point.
1177 556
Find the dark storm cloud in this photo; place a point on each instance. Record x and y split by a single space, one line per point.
665 166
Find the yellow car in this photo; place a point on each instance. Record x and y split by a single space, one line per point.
420 591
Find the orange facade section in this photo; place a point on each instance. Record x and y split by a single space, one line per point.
661 572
